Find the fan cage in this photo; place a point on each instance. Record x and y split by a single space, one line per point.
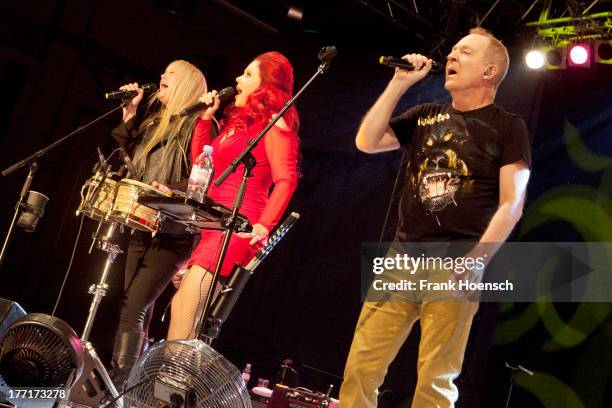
192 364
47 343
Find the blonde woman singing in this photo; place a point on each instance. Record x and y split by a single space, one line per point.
160 142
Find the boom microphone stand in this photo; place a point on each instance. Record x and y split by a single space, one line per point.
32 161
325 56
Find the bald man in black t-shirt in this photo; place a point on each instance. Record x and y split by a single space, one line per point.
466 179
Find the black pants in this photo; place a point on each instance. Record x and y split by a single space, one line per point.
150 265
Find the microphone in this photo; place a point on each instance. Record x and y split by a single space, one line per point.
327 54
102 160
224 95
122 172
394 62
130 94
128 162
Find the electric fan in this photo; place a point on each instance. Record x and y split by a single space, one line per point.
39 350
185 373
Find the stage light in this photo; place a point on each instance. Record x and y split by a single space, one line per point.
534 59
603 51
32 211
554 58
579 55
295 13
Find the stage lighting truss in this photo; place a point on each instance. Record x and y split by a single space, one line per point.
571 41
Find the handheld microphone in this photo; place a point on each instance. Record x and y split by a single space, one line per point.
130 94
224 95
394 62
128 162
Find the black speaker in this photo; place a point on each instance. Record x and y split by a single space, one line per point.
9 312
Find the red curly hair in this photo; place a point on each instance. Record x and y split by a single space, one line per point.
276 88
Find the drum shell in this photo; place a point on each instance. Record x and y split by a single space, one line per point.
103 200
127 211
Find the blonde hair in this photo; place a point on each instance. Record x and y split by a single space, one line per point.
497 52
190 84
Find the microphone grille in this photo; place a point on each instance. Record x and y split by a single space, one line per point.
385 60
227 93
149 87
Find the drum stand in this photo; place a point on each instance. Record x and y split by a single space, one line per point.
99 291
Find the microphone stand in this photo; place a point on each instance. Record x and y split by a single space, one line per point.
32 161
514 372
325 56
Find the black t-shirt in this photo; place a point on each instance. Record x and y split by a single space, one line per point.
452 186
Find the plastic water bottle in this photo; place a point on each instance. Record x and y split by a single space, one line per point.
246 373
201 175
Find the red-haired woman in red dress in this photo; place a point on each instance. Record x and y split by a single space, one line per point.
262 90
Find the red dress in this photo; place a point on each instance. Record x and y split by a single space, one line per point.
276 164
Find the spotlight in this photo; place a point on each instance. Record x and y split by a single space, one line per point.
534 59
603 51
579 55
33 209
295 13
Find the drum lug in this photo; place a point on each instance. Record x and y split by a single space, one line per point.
159 217
158 220
101 288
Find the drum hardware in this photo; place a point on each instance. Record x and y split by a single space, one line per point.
114 204
90 206
97 206
190 229
99 290
129 211
97 201
206 215
159 220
